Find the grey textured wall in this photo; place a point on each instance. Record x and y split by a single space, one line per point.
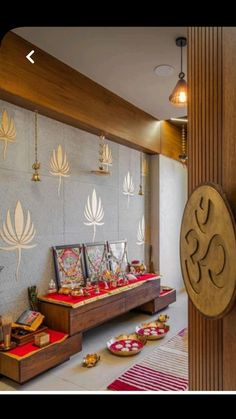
60 220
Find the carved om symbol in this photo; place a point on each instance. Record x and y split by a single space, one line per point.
206 254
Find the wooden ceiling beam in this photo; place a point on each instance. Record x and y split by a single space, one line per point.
60 92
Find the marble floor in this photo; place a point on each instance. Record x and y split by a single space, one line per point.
71 376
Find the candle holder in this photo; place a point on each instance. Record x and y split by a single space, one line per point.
6 332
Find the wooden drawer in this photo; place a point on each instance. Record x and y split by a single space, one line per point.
22 370
140 295
158 303
98 315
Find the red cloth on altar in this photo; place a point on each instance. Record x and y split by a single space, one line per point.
28 348
164 292
72 300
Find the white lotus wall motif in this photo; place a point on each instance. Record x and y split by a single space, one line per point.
7 132
18 234
141 232
93 212
59 165
128 186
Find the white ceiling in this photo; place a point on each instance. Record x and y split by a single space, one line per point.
121 59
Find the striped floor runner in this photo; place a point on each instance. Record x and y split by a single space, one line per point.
166 368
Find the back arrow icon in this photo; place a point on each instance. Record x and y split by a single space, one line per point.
29 56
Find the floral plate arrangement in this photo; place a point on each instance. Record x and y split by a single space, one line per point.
126 345
154 330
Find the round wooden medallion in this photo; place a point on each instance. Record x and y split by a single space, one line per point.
208 251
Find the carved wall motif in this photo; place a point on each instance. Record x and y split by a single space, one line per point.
19 233
59 165
141 232
7 131
94 212
207 251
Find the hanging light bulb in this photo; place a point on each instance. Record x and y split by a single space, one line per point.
183 156
36 164
140 192
179 95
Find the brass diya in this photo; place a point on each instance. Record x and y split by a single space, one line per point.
163 318
90 360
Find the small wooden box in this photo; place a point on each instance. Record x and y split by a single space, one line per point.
25 337
42 339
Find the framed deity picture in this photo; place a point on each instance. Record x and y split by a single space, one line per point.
96 262
69 265
118 255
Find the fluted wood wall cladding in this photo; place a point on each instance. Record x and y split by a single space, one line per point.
212 156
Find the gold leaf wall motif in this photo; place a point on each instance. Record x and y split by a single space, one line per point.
128 186
59 165
18 234
7 131
93 212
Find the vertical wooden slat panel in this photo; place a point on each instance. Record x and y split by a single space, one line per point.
212 157
229 185
205 164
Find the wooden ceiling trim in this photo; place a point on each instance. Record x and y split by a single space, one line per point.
62 93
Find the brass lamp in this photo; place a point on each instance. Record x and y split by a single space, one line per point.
36 164
179 95
140 192
105 158
183 156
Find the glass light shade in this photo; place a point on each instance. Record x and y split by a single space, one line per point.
179 95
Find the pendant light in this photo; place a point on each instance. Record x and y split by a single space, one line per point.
36 164
179 95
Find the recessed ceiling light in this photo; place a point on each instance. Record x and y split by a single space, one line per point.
164 70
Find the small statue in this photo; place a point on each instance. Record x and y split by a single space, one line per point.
97 289
52 287
143 268
106 286
32 296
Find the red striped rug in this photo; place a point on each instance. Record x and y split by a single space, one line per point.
165 369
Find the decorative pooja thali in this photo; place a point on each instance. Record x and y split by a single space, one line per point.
126 345
153 330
